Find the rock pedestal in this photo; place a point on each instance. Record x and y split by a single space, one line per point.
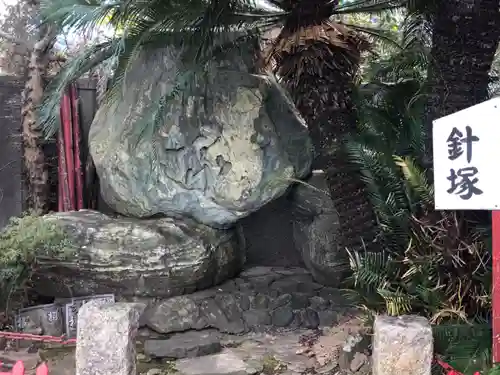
402 345
130 257
106 338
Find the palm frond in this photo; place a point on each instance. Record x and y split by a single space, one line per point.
373 7
375 34
411 60
81 16
417 179
397 302
72 70
200 29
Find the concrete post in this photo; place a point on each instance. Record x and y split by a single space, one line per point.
402 345
106 338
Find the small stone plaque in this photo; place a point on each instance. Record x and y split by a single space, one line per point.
71 310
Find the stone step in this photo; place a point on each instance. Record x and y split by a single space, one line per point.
225 363
260 297
184 345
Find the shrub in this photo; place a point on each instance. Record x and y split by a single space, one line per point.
22 241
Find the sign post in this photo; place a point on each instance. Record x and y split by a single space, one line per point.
466 177
495 293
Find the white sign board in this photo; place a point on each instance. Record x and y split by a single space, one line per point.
466 147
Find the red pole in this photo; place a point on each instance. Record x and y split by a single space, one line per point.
63 177
60 191
78 161
68 145
495 293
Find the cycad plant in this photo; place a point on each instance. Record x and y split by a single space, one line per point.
434 263
411 58
314 55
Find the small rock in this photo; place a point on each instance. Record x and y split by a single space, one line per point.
243 301
261 283
282 300
274 293
154 371
366 369
185 345
327 349
226 363
228 287
358 361
327 318
212 313
334 296
291 271
246 287
147 333
282 316
231 309
297 319
229 321
175 314
256 272
260 302
255 365
284 286
351 342
310 319
238 281
328 369
308 287
318 303
256 318
203 294
300 300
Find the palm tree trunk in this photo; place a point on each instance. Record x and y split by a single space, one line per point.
465 39
322 93
34 158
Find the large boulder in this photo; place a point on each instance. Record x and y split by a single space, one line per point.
315 231
131 257
216 153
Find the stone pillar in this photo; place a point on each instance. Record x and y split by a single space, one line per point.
402 345
106 338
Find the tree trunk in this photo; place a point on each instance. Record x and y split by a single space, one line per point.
322 93
465 39
34 158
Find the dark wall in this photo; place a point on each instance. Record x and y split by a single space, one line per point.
88 106
11 155
11 177
269 235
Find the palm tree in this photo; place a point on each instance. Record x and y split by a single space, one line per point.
451 46
316 58
38 63
465 39
318 61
